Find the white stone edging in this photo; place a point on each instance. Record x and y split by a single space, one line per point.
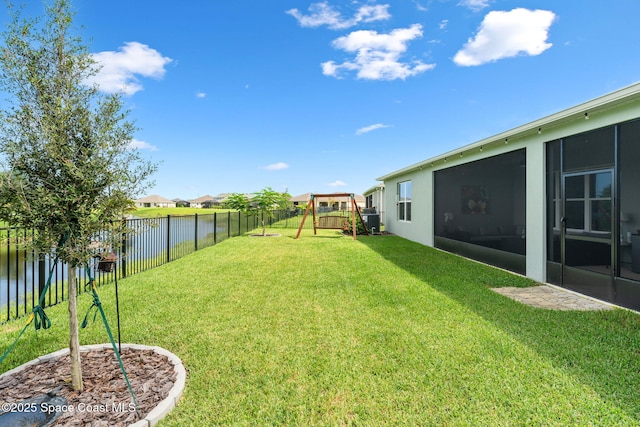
162 409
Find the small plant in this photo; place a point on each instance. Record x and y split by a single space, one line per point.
359 227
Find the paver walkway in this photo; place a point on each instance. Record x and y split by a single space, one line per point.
552 298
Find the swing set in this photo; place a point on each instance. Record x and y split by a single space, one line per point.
331 214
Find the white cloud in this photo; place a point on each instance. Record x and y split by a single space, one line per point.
371 128
378 55
337 183
507 34
443 24
201 95
136 144
324 14
119 70
475 5
420 7
276 166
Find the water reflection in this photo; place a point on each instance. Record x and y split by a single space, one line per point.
146 240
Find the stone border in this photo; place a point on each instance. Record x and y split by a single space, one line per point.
162 409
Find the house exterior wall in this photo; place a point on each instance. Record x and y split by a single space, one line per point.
536 213
420 228
377 195
617 107
155 204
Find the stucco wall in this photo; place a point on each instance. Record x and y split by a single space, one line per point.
420 228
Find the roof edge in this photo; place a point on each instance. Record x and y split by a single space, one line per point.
605 102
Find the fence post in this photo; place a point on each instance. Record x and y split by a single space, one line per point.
168 238
123 249
196 232
8 276
215 228
42 274
228 224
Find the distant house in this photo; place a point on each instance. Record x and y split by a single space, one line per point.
154 201
182 203
301 199
202 201
208 204
360 201
338 203
220 198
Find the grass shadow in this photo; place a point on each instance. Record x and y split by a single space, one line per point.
599 348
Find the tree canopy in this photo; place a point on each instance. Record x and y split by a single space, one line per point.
262 203
65 146
68 169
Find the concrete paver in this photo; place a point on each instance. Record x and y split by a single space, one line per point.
553 298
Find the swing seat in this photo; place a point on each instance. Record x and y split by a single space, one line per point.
333 222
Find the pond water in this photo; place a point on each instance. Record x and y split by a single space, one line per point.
150 240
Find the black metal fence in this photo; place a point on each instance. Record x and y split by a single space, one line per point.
147 243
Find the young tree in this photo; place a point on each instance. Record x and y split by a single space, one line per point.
263 203
69 170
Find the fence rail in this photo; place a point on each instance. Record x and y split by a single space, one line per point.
147 243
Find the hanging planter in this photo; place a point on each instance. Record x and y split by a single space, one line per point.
107 262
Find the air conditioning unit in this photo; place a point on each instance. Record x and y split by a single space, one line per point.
372 221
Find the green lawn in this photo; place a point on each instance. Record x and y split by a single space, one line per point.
329 331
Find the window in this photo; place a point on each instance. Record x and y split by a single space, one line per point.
629 200
483 203
404 201
369 201
589 150
588 204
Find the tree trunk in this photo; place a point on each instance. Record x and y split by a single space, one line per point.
74 339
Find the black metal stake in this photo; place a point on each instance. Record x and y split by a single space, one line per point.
115 272
108 264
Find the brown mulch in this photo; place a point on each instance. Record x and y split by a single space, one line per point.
105 400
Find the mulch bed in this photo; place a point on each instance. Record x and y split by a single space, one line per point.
105 400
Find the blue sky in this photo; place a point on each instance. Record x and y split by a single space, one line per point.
306 96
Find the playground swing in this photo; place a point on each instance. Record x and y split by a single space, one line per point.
325 217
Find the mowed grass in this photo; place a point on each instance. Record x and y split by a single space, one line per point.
329 331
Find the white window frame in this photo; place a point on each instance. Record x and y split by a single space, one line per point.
587 201
404 201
